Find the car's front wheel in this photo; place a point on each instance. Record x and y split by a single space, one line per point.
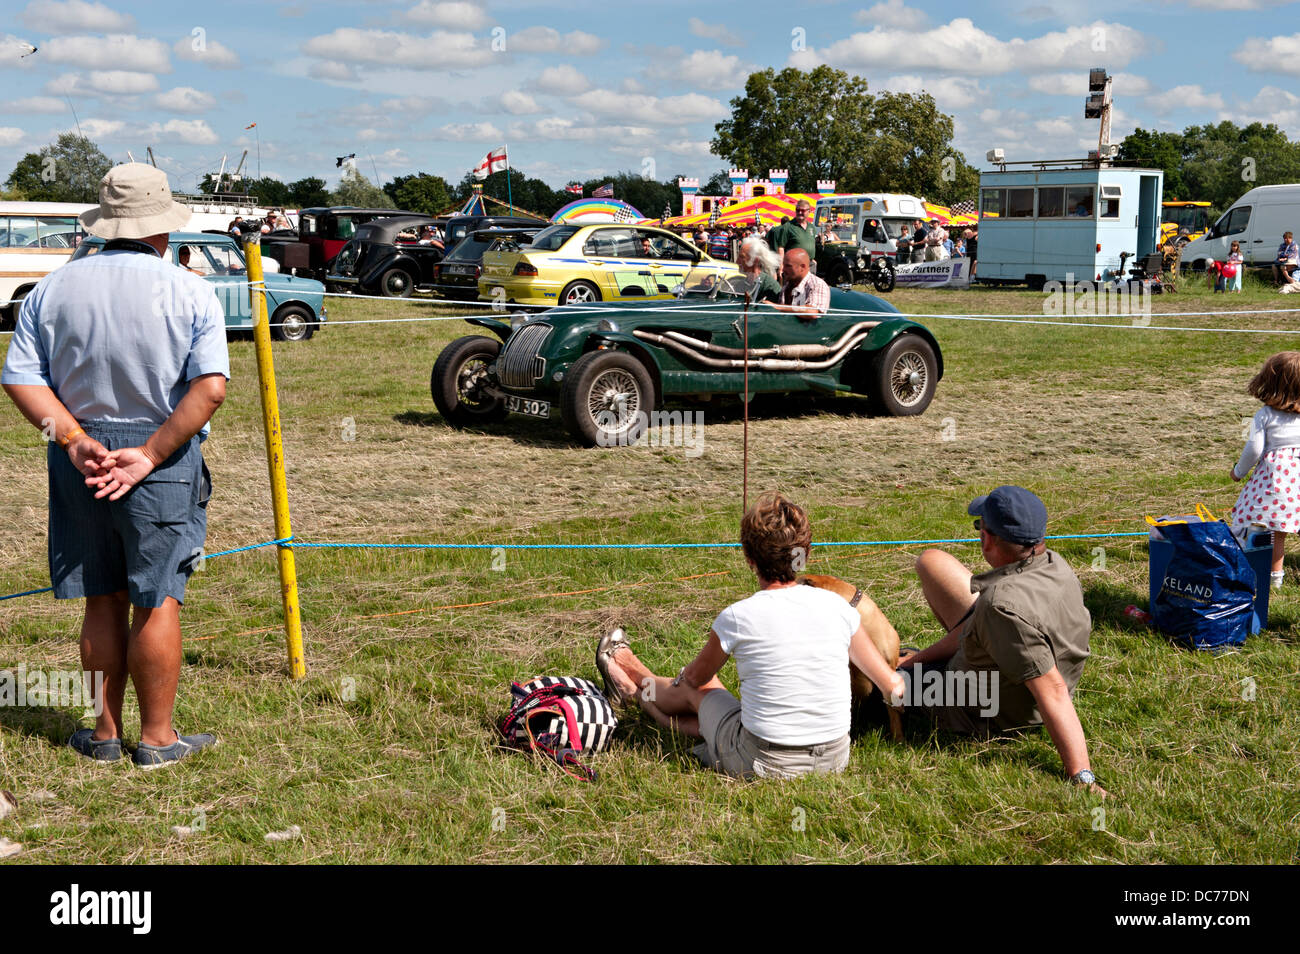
579 293
904 376
460 380
396 283
607 399
883 275
292 323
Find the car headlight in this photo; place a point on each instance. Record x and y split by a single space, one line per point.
607 325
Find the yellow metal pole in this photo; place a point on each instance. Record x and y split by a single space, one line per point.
275 456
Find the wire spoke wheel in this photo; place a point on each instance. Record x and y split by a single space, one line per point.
613 401
908 378
470 380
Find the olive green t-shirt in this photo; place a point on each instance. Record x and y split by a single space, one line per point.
793 235
1028 618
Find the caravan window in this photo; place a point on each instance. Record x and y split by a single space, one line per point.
1051 203
1078 201
1110 195
992 201
1020 203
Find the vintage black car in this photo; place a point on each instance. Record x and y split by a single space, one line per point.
386 257
458 226
456 276
322 233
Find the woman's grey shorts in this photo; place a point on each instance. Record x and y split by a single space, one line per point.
147 542
732 749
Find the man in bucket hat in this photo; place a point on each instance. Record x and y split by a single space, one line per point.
1021 627
120 359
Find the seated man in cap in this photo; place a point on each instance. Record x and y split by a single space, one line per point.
1022 627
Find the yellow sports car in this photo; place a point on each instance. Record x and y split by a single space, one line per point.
577 264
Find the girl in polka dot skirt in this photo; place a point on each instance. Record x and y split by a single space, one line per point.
1271 498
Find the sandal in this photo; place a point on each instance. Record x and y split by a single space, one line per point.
609 644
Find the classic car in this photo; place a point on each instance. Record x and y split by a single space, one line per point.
386 257
609 365
295 306
456 276
578 264
458 226
322 233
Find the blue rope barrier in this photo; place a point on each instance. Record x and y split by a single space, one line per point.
209 556
290 542
671 546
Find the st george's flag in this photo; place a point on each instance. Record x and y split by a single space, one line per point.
495 161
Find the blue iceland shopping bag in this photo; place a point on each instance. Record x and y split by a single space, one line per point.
1206 598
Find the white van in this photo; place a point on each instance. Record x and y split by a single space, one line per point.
1256 220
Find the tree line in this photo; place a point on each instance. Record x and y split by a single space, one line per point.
1215 163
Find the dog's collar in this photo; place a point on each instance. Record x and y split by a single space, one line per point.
857 592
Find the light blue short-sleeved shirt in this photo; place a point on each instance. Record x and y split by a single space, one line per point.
118 336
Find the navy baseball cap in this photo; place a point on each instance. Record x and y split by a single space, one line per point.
1012 513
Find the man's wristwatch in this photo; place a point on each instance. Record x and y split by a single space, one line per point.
1083 777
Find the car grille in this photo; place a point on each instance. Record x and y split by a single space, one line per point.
520 363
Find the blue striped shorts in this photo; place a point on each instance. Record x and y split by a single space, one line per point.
148 542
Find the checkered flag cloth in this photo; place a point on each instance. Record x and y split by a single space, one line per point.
966 207
625 214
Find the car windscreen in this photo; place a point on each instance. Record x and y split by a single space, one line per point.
550 239
469 249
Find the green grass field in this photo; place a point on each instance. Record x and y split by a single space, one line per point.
386 752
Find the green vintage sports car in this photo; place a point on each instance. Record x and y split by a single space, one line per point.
609 365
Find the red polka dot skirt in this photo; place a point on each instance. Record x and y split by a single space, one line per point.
1271 498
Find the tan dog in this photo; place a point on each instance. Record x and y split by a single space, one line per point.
881 633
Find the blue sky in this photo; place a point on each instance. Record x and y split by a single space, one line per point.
577 89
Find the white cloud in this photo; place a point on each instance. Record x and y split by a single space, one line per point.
120 82
101 128
73 16
963 47
34 104
652 110
691 149
114 52
460 16
949 92
540 39
102 83
1232 4
894 13
563 80
718 32
709 69
1076 84
327 70
211 53
518 103
462 132
438 51
185 99
1277 54
1270 105
1183 97
193 131
10 135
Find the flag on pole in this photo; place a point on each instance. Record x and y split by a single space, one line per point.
604 192
494 161
575 189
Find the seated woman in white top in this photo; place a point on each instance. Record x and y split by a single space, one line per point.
792 646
